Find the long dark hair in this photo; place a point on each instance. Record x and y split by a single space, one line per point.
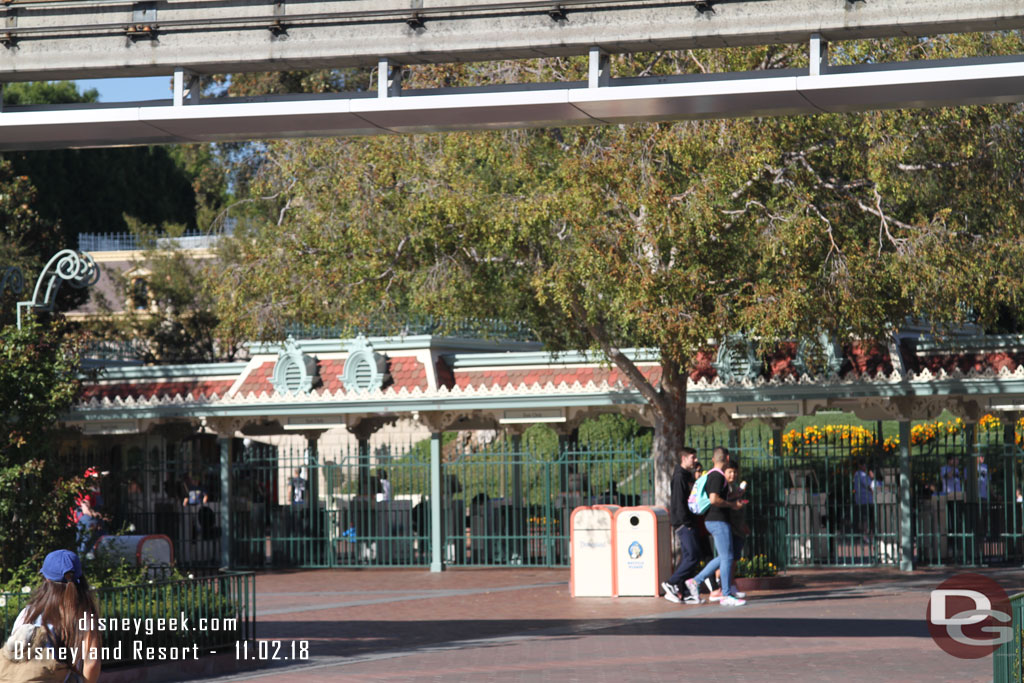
62 604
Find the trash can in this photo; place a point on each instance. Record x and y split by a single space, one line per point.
590 551
643 550
143 551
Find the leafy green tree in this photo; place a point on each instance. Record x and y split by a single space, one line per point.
38 380
667 236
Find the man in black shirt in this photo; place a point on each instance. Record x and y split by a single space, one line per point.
682 523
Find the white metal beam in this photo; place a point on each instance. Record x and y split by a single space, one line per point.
838 89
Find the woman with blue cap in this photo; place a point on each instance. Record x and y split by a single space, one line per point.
59 603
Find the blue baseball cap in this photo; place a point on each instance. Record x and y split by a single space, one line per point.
60 562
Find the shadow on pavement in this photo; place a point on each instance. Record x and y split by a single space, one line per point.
350 638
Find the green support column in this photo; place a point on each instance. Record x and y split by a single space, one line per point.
363 449
224 444
906 526
312 550
436 536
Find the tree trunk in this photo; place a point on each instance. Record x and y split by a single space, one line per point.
669 431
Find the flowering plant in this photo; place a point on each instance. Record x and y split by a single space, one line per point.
756 566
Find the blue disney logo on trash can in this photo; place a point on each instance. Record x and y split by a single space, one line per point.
635 550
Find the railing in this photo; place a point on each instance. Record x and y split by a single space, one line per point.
486 328
125 241
109 349
500 506
212 613
1008 659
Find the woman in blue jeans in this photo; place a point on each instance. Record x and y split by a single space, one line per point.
717 523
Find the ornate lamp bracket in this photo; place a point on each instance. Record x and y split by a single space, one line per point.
73 267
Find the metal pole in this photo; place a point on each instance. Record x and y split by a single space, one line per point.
436 537
224 444
906 526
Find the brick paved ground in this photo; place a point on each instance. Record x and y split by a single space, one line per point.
521 625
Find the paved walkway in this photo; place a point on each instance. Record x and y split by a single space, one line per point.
521 625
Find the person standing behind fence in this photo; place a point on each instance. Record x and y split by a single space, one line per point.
949 475
384 495
863 498
717 521
297 488
682 523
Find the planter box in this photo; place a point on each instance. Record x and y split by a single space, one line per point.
763 583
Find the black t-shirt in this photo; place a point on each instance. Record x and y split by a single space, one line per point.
682 483
716 484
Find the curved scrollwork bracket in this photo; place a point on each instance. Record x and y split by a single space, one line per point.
73 267
12 279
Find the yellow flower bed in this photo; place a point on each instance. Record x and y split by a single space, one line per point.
857 437
859 440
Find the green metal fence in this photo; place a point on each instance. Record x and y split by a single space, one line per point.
807 508
211 614
503 506
1008 660
508 503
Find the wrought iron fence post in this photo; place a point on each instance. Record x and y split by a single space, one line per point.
906 526
436 537
517 469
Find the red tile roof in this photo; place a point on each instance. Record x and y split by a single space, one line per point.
408 373
556 375
966 362
150 389
258 380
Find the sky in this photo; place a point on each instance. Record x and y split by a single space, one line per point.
129 89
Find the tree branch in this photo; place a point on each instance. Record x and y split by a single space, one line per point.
611 351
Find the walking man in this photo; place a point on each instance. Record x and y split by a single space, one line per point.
682 523
717 521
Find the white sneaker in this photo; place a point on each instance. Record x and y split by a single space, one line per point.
672 597
738 594
694 590
715 596
730 601
671 589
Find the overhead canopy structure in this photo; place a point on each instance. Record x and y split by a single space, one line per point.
600 101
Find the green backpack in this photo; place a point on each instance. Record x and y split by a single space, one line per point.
699 501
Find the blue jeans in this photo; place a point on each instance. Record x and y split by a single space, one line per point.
689 555
87 525
722 533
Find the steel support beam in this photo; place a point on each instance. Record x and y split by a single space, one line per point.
73 39
838 89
